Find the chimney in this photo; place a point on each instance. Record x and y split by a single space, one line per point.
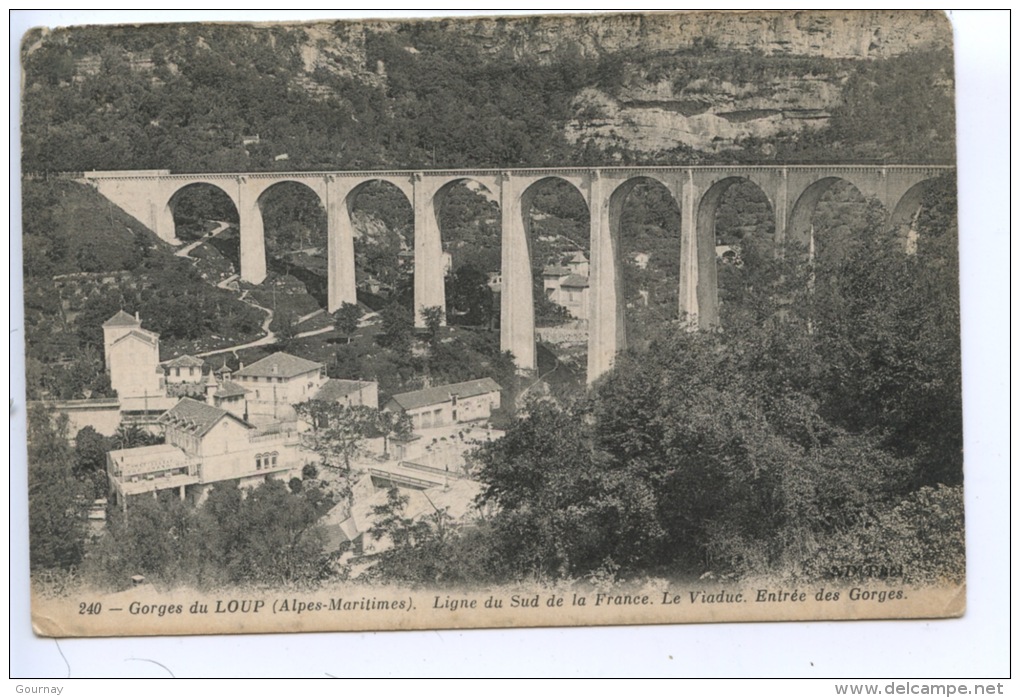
137 318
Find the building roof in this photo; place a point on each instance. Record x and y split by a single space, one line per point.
336 388
196 417
144 335
185 361
230 389
578 257
279 364
444 393
122 319
575 281
556 271
147 459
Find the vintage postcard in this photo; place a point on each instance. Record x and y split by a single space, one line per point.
492 322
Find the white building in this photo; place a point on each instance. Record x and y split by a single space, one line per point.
132 358
567 285
204 445
444 405
278 382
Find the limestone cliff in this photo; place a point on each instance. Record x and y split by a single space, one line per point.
834 34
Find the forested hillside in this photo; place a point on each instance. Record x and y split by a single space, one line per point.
448 94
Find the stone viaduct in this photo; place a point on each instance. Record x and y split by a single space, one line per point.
792 190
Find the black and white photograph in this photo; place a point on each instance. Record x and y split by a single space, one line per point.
563 320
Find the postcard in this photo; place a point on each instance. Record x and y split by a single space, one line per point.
492 322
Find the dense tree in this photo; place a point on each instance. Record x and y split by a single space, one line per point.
793 439
267 536
397 328
345 319
337 434
469 297
57 501
392 425
90 449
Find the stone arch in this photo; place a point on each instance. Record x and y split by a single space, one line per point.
518 279
358 188
462 307
707 277
403 264
261 193
441 192
618 200
799 226
173 198
904 214
260 190
527 193
526 200
262 185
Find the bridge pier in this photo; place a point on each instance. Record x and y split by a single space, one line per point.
516 303
607 330
689 276
341 283
429 277
253 237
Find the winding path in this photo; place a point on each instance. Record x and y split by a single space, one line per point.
269 337
186 250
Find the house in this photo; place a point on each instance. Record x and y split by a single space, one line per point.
444 405
349 392
228 395
183 369
132 358
204 445
278 382
567 285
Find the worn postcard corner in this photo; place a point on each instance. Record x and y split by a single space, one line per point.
492 322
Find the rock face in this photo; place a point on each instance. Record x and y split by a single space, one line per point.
656 112
707 115
676 90
836 34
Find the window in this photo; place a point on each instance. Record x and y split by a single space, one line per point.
272 459
177 372
258 462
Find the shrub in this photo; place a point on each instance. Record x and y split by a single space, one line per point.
923 535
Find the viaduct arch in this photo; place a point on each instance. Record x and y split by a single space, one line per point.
792 190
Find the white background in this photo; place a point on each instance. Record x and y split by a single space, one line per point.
976 645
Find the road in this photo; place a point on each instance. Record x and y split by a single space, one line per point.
186 250
269 337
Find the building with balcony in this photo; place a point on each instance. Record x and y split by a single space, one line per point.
204 445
